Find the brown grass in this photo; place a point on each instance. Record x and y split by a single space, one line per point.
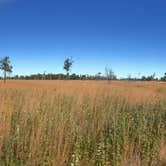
134 91
60 122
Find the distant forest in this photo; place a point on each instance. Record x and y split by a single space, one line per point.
6 68
61 76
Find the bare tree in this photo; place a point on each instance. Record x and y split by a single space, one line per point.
109 74
44 75
129 77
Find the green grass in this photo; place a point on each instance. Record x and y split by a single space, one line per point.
39 128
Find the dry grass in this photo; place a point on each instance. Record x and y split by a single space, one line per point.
82 123
133 91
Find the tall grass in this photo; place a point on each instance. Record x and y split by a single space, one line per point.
39 128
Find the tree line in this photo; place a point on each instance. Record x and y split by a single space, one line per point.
6 68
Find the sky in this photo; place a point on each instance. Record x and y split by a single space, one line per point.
129 36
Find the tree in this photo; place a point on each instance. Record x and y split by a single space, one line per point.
129 77
98 76
109 74
5 66
163 78
44 75
68 65
149 78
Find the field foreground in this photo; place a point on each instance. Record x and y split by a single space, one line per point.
82 123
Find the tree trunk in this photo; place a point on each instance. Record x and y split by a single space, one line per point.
4 76
68 76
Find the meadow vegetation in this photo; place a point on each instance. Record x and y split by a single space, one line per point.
82 123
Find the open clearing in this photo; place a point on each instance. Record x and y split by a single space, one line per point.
82 123
135 91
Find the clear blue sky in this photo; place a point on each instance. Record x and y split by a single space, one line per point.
127 35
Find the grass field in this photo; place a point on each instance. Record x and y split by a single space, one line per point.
82 123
